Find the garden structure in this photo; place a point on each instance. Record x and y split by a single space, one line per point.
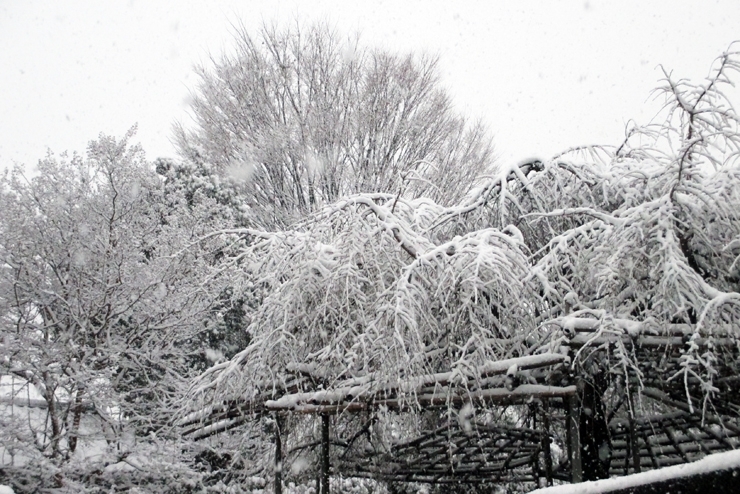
557 399
568 320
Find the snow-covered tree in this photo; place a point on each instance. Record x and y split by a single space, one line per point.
297 118
377 288
105 290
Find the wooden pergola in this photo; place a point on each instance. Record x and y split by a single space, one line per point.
549 390
450 453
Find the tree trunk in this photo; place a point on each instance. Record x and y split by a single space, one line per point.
76 418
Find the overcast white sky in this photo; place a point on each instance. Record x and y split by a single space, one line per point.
544 75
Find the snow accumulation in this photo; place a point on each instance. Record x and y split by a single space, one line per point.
712 463
4 489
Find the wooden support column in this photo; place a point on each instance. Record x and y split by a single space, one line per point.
574 442
278 454
533 409
594 432
634 448
324 480
634 445
536 472
546 440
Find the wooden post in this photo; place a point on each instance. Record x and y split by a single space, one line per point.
324 484
278 454
593 435
634 446
568 442
536 472
546 440
574 446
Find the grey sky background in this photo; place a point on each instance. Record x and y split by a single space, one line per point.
544 75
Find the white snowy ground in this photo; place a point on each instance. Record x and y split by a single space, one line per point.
712 463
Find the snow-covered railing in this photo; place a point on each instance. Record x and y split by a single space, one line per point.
729 461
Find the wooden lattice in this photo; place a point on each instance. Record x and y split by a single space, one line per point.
485 452
667 439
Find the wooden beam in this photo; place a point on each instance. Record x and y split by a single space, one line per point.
320 403
582 339
522 363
